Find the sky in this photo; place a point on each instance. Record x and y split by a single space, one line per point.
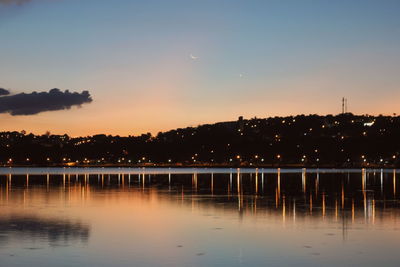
157 65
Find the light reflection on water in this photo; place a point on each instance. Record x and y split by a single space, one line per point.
202 217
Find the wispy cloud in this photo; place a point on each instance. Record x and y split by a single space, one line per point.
13 2
34 103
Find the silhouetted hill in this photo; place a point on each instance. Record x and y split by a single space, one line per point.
344 140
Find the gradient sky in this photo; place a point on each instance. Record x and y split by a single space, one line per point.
255 58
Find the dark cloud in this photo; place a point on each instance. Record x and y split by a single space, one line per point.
4 92
16 2
34 103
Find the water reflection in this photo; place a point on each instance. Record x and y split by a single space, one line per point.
365 195
299 206
57 232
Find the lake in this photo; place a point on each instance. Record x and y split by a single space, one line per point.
199 217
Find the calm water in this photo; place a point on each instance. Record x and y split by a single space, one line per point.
203 217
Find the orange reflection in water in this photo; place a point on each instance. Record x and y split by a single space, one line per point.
145 218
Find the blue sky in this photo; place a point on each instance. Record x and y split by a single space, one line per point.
255 58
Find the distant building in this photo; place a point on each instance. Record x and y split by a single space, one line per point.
240 124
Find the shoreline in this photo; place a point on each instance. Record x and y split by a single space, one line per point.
214 166
184 171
